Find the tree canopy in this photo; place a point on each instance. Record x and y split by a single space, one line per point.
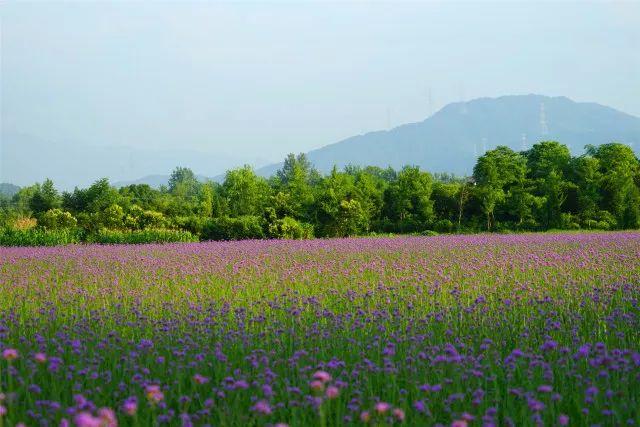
538 189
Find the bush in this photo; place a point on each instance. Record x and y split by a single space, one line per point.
443 226
24 223
602 220
225 228
568 222
157 235
193 224
57 219
528 225
39 237
289 228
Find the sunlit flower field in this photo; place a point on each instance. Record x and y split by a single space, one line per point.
539 329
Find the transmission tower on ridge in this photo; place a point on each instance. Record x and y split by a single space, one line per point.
484 145
544 129
523 143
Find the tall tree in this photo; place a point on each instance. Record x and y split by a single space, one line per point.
46 197
548 164
620 176
586 175
184 184
500 175
245 192
408 198
339 213
294 187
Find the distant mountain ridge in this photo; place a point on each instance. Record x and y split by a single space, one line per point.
8 190
452 139
448 141
72 163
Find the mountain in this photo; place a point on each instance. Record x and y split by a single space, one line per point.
448 141
451 139
8 190
25 159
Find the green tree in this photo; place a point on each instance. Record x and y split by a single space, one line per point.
183 181
112 217
369 187
500 175
586 175
548 164
46 197
445 199
56 219
408 199
620 175
21 201
94 199
245 192
293 186
142 195
338 212
206 199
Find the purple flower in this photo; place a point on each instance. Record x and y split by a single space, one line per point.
262 407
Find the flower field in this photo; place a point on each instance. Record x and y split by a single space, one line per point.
538 329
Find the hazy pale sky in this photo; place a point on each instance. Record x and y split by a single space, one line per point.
257 80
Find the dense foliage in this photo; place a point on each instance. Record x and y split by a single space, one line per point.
479 330
539 189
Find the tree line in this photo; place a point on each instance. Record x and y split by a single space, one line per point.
539 189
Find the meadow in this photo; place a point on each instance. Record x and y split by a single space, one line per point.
529 329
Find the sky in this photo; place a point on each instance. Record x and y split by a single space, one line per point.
251 82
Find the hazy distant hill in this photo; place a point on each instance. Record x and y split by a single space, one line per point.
448 141
8 190
451 139
71 163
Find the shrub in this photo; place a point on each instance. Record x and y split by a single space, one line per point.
24 223
193 224
112 216
289 228
156 235
602 220
39 237
528 225
56 219
568 222
443 226
225 228
152 220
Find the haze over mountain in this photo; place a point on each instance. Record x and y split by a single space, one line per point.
126 90
451 139
448 141
72 164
